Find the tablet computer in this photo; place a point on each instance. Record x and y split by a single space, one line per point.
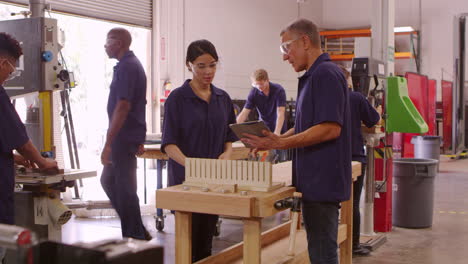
253 128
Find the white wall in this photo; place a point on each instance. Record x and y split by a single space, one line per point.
436 31
245 34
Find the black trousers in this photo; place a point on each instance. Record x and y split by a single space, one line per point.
119 181
357 190
203 230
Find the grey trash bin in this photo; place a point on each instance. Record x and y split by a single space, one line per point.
426 147
413 192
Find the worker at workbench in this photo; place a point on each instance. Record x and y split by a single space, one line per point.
13 135
321 136
269 99
361 112
126 132
196 125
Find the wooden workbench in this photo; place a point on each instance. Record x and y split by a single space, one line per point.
251 208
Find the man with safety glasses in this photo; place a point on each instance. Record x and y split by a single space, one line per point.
13 135
269 99
321 137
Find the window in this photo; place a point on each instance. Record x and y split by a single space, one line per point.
85 56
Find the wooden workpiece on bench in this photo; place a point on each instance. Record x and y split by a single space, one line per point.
239 152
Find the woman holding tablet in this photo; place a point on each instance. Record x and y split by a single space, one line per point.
196 124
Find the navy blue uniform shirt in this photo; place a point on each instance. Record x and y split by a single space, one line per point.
129 83
323 171
198 128
267 105
361 110
12 136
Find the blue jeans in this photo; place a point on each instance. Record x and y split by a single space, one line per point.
120 184
321 224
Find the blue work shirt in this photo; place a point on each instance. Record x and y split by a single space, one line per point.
129 83
267 105
12 136
200 129
323 171
361 110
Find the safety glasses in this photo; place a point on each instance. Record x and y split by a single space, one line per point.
203 66
15 73
284 47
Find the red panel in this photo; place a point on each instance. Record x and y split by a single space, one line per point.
447 106
431 107
408 147
418 92
383 203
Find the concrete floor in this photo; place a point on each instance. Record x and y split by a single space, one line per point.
445 242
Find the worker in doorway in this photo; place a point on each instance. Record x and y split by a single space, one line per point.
321 138
126 132
196 125
269 99
362 112
13 135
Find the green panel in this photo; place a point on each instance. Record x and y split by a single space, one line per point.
402 115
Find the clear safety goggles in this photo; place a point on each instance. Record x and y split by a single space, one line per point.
15 73
203 66
284 47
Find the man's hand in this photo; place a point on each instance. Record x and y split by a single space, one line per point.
270 141
48 165
105 155
141 150
20 160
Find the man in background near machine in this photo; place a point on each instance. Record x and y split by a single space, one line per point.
126 132
321 137
13 136
269 99
361 112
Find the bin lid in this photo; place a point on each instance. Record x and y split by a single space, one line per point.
428 139
425 138
416 161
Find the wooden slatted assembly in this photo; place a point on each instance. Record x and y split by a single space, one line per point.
240 175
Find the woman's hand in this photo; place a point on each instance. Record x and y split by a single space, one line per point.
226 155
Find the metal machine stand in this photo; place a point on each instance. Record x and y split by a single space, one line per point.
375 240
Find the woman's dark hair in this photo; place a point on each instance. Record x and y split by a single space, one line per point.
9 46
200 47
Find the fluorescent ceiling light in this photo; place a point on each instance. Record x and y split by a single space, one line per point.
403 29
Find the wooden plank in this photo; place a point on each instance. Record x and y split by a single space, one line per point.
342 233
252 246
239 152
346 247
195 200
183 234
235 252
222 188
356 170
276 253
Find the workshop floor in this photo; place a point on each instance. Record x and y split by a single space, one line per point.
444 242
